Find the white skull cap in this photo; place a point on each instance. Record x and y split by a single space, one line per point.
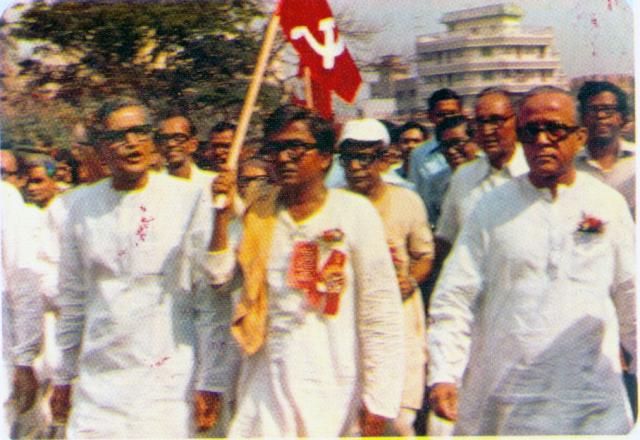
364 130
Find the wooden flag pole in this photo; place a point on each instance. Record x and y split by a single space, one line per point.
308 91
250 101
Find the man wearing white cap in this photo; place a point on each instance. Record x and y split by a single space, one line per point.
362 145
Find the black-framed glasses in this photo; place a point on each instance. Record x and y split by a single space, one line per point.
142 132
246 180
555 132
295 149
494 121
456 143
445 114
220 145
364 159
605 110
172 138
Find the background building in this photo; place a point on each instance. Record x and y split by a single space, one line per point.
487 47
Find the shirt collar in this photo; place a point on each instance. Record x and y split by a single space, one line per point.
627 149
515 167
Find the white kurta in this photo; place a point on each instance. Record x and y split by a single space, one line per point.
468 184
408 232
316 371
22 307
544 307
128 262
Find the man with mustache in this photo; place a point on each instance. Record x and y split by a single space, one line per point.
362 147
320 318
132 248
503 160
537 295
607 156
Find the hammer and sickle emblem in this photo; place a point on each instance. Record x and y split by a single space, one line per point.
332 46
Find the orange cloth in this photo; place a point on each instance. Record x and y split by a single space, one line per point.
249 325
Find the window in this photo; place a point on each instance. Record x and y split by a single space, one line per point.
541 52
488 76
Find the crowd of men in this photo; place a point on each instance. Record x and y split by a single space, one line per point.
368 280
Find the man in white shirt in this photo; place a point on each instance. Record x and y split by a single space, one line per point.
176 139
133 246
607 155
22 318
362 147
320 319
503 160
537 296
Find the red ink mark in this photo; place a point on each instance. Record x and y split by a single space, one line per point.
121 253
160 362
141 232
594 21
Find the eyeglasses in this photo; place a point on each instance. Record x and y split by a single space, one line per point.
295 149
494 121
364 159
220 146
456 143
442 115
172 138
246 180
142 132
606 110
555 132
408 140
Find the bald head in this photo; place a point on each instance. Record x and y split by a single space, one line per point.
548 99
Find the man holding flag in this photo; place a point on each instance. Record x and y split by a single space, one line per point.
322 332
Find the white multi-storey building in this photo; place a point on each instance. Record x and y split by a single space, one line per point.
487 47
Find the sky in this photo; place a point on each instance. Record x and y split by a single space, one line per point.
592 36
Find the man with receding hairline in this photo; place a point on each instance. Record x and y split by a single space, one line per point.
537 296
132 248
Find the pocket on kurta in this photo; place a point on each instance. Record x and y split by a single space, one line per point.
590 258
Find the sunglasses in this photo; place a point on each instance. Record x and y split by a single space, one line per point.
555 132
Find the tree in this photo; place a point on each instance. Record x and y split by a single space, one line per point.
196 56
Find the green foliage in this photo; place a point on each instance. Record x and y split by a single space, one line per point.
195 56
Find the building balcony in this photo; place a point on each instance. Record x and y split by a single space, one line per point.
461 40
425 69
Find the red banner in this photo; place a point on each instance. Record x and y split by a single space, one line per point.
310 27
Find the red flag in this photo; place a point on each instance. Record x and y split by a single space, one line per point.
310 27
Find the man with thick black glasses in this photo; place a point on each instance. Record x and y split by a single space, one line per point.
320 317
132 248
362 147
607 156
503 160
537 295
